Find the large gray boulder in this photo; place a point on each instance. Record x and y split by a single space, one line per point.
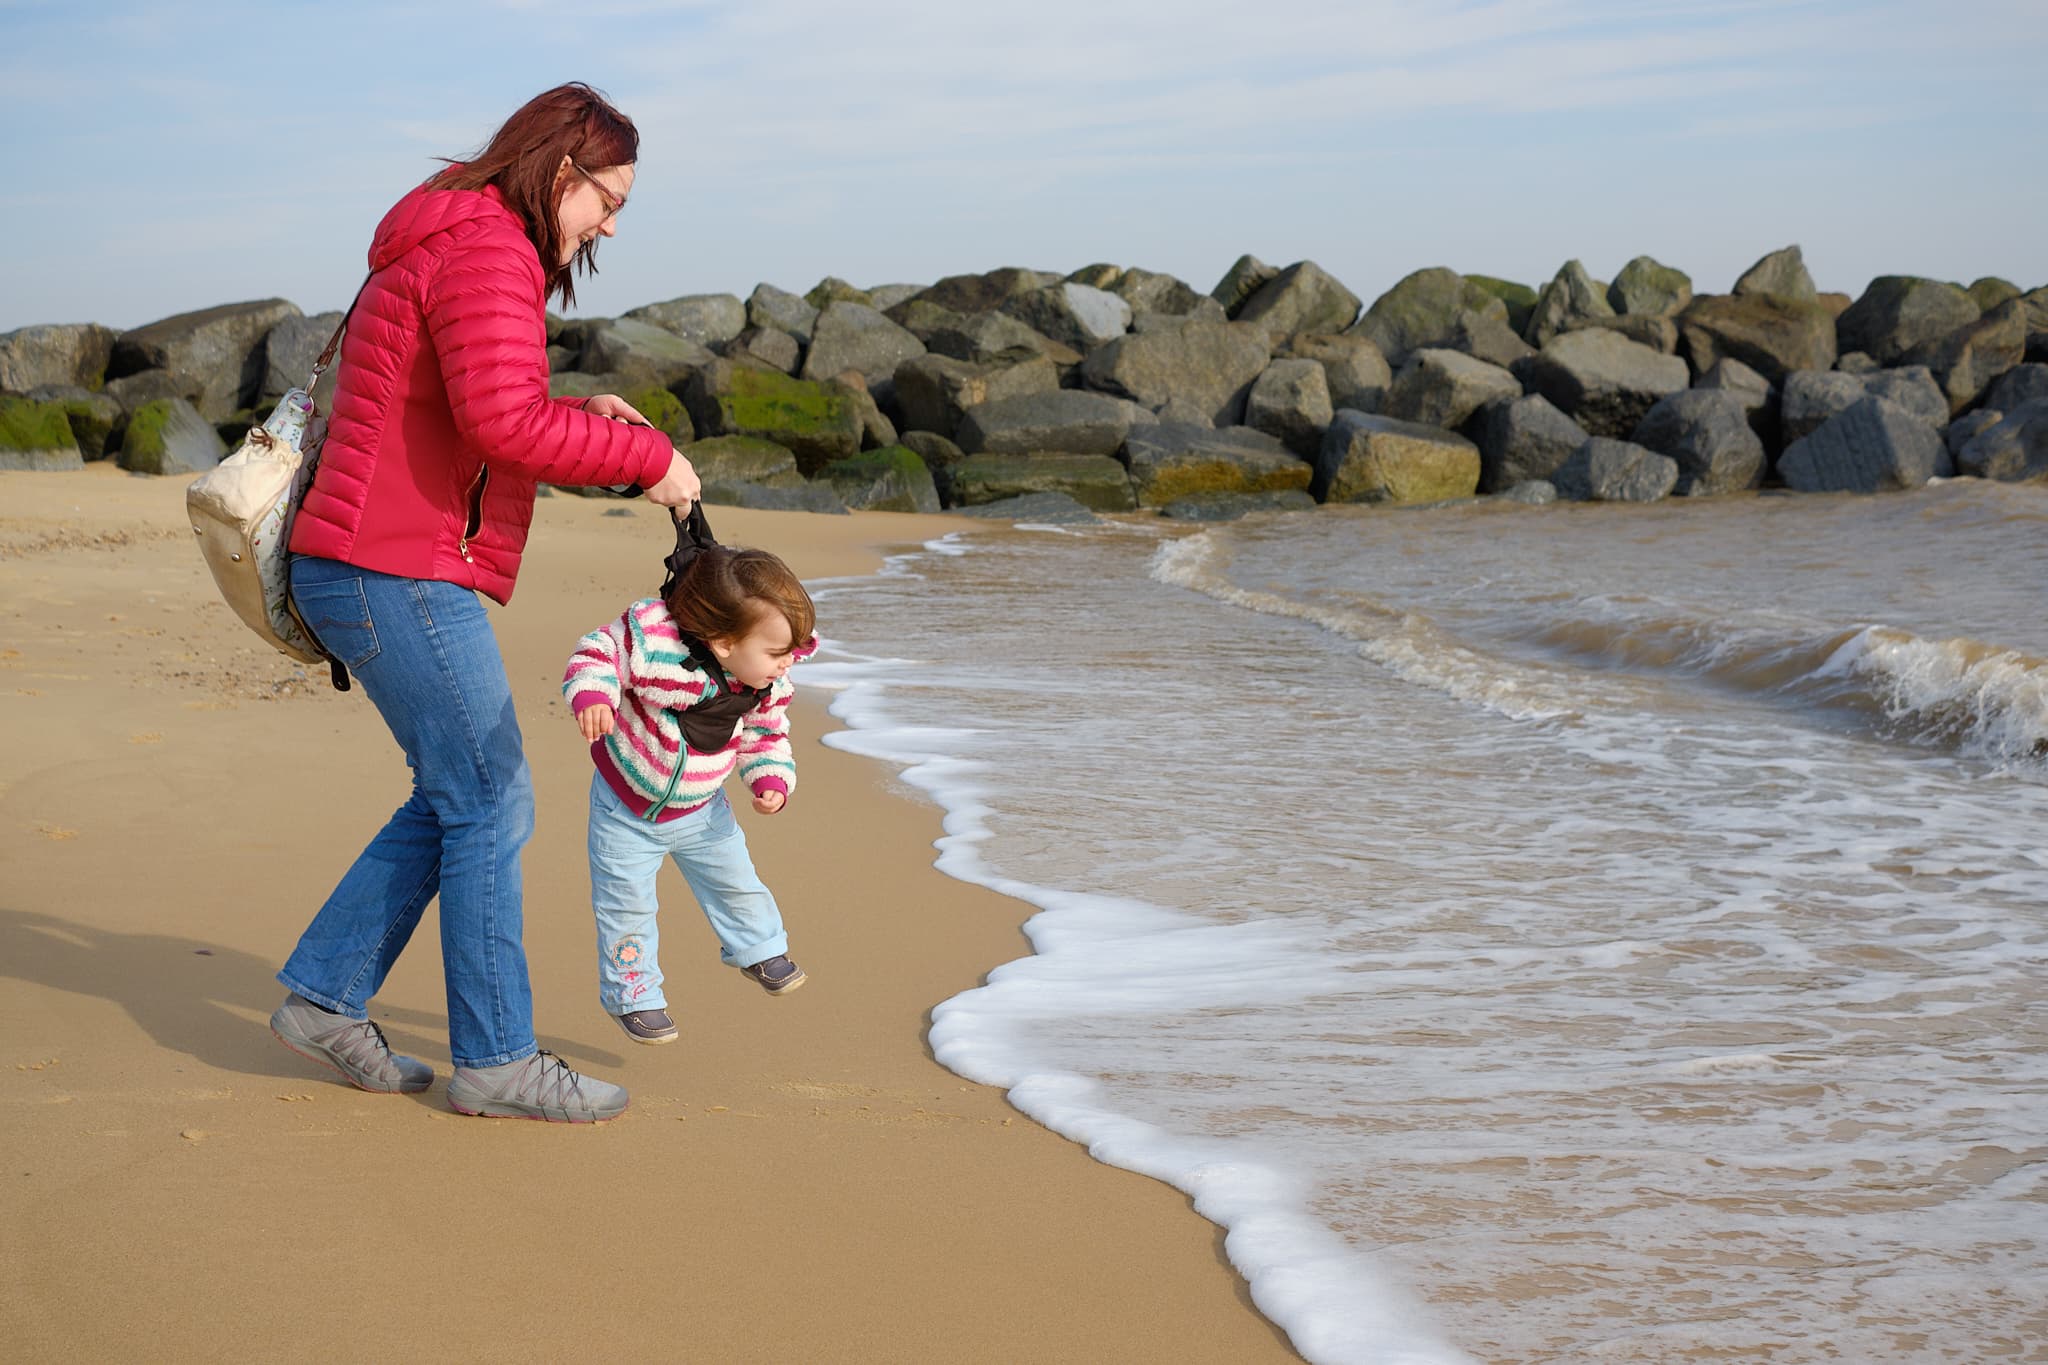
985 338
970 294
1521 440
767 346
135 391
816 422
723 461
1169 460
1967 360
60 353
933 392
94 418
1870 447
2018 385
1809 398
1519 298
1605 470
2013 450
887 296
1302 298
1369 458
1095 481
220 347
170 436
707 319
1212 365
1645 288
1958 434
1485 337
1601 379
1707 434
891 479
1069 421
804 497
1206 309
1988 291
642 351
939 456
36 435
853 336
1290 402
832 289
925 320
289 350
1148 291
1766 332
2035 301
1072 314
1424 309
768 306
1899 314
1246 276
1782 275
1356 371
1758 396
1444 388
1645 329
1572 295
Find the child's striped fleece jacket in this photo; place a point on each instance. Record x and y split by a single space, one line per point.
639 666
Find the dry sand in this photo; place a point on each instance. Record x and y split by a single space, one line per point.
795 1180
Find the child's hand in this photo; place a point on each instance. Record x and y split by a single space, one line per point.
595 722
768 802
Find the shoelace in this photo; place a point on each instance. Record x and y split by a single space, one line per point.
567 1085
365 1037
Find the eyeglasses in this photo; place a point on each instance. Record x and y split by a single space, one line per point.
613 206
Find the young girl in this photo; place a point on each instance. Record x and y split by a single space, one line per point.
673 696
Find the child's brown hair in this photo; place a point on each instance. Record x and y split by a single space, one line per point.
723 592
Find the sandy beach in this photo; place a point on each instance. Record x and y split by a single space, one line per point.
796 1180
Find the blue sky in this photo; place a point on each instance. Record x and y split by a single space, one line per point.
165 157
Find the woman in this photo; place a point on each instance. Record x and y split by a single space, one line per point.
441 426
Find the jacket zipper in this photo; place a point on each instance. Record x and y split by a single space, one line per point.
682 758
476 512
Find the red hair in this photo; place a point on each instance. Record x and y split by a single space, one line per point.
524 160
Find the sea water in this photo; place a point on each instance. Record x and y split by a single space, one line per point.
1585 933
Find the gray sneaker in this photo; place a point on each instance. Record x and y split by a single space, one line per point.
538 1087
353 1047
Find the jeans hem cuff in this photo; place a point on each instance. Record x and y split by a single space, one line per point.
322 999
499 1059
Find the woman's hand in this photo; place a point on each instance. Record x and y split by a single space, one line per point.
679 487
768 801
611 405
595 722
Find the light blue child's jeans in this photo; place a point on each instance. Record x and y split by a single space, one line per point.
625 855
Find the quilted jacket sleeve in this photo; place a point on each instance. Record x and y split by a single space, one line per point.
483 312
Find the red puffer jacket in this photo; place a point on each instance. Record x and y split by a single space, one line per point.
441 423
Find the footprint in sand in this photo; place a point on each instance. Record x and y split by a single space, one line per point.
56 832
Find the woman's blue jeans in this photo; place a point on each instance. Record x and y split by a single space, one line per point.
424 653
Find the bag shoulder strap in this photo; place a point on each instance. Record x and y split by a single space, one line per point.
333 345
